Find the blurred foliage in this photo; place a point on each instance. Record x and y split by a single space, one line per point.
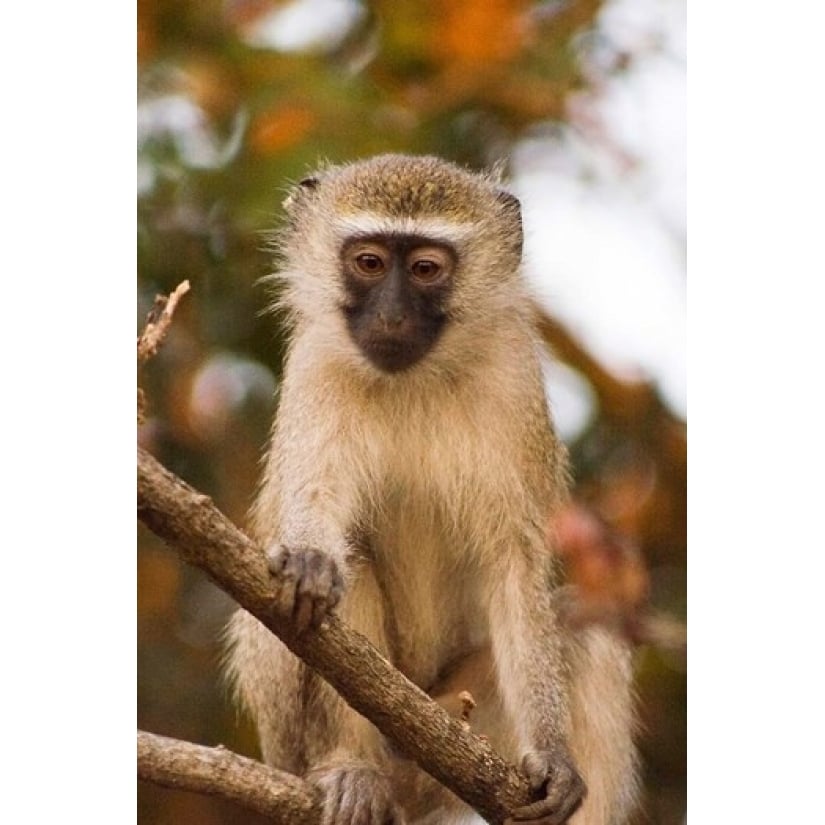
225 120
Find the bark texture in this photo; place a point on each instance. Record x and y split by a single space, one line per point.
220 772
204 537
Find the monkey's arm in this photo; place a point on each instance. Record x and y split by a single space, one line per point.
306 509
306 514
528 648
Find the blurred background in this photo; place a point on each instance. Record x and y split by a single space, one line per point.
584 102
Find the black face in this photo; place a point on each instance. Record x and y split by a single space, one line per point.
397 287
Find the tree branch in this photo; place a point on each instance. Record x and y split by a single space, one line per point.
157 325
158 322
461 761
220 772
626 400
633 404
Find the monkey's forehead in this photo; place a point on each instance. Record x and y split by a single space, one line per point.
400 186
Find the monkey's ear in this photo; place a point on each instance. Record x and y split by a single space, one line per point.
509 200
512 205
298 192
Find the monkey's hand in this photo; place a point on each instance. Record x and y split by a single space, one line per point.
308 584
355 793
552 774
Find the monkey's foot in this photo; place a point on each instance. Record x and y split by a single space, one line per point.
355 794
308 584
553 774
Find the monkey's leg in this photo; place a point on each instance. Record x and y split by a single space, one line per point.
602 724
602 720
303 724
426 801
268 683
346 755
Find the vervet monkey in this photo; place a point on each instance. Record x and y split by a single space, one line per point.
412 475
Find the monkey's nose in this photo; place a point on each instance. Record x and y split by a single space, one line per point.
392 320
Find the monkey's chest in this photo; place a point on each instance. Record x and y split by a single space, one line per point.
434 604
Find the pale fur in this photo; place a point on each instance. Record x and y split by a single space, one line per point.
433 489
368 223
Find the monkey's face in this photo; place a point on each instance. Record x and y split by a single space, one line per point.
396 288
409 259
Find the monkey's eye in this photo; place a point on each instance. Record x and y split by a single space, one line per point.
430 265
369 265
424 270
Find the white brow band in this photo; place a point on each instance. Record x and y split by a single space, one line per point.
368 223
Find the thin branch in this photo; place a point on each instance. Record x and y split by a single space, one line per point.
617 398
204 537
636 404
157 324
220 772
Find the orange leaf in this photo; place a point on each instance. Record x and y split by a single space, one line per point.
476 33
281 128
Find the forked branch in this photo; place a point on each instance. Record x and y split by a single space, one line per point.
440 744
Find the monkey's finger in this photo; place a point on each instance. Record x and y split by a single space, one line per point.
284 594
276 560
321 608
337 588
381 811
331 788
327 592
280 564
326 602
565 789
568 808
559 804
359 810
536 764
310 599
319 574
303 613
556 818
284 602
377 809
287 587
